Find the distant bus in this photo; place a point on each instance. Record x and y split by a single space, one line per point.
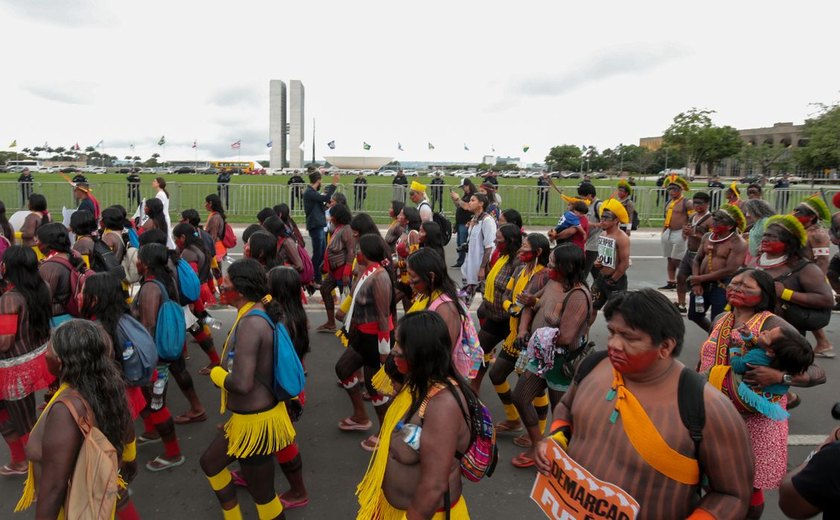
246 167
17 166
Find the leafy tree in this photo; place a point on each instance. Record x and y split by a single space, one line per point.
715 144
564 157
89 149
684 134
822 132
767 157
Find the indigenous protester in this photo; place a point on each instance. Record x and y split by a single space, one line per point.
259 425
752 297
156 219
193 251
721 253
559 326
804 297
282 210
573 226
511 216
489 190
338 262
733 195
152 264
54 244
395 229
610 269
833 273
431 237
24 332
286 246
434 290
92 393
83 225
368 333
215 224
494 318
677 211
811 212
625 196
651 455
414 476
409 242
38 215
693 232
113 226
527 281
262 247
813 487
480 245
417 194
87 202
314 205
6 230
756 212
753 192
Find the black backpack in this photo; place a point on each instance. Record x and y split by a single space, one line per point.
102 260
445 225
689 397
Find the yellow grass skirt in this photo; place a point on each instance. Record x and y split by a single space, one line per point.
262 433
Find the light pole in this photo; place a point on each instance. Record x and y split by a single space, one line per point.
621 160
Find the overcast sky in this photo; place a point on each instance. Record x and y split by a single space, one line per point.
488 73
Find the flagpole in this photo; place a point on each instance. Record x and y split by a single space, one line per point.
313 140
196 155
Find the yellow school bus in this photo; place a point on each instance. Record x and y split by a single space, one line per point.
245 167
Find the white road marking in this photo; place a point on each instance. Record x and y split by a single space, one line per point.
806 440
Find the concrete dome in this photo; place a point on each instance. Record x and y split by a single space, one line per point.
358 162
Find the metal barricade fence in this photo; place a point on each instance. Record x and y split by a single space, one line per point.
246 200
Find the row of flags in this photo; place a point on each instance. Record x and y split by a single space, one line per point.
368 146
74 147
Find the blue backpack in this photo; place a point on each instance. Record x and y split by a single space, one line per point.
171 327
189 286
137 350
288 372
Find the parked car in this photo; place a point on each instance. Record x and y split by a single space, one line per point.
387 173
571 175
70 169
97 169
184 169
209 171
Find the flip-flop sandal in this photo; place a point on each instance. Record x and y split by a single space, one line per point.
349 425
522 461
160 464
326 330
8 471
294 504
371 443
186 418
503 426
827 353
523 441
143 439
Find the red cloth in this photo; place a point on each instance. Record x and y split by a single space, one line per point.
23 378
136 400
578 239
372 327
8 324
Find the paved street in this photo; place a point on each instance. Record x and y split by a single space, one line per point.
334 462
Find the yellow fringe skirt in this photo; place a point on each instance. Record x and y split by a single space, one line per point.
262 433
457 512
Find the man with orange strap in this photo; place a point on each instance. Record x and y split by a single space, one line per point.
618 421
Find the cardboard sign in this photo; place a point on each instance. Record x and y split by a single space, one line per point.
606 251
572 493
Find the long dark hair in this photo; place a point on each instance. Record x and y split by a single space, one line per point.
431 268
216 205
375 249
188 231
363 224
103 299
38 202
512 217
162 185
285 214
539 241
285 289
22 271
82 222
249 279
4 224
154 209
263 248
766 284
512 236
427 347
54 235
156 259
88 366
276 227
412 217
397 206
434 238
569 260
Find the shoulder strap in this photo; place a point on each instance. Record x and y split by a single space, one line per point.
262 314
793 271
588 364
61 260
692 406
433 391
163 292
82 422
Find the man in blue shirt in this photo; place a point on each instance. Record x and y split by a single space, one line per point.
314 204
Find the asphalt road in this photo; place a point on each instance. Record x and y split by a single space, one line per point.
334 463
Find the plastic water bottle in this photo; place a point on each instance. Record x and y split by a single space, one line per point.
230 361
411 435
699 304
128 350
213 323
521 361
157 393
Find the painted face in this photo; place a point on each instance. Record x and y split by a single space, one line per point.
743 292
418 286
721 223
631 351
227 293
414 196
674 191
500 242
803 215
771 244
608 219
399 360
700 205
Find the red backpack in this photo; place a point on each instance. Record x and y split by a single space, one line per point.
307 276
77 280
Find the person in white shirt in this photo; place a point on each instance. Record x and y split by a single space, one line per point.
482 234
